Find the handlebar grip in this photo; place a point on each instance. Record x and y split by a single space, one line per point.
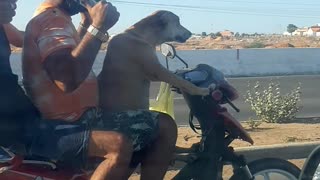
216 95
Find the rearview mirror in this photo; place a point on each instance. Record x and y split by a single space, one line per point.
168 50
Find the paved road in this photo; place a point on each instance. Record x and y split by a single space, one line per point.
310 99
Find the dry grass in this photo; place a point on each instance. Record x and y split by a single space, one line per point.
240 43
269 41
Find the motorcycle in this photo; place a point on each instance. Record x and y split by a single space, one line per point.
204 160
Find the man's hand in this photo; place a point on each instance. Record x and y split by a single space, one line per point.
7 11
202 92
104 15
198 91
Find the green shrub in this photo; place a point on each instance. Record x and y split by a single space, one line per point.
253 124
256 45
272 107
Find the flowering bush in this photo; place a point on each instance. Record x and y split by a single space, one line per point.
272 107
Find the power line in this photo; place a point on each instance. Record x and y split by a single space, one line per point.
206 7
255 2
210 9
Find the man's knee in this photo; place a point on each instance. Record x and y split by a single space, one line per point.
123 145
123 150
103 143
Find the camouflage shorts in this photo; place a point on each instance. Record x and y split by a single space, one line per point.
140 126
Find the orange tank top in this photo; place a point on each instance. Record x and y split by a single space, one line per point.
52 29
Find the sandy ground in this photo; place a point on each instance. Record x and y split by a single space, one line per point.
265 134
266 41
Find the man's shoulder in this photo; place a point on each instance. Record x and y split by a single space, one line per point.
49 17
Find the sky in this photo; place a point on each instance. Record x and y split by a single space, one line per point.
243 16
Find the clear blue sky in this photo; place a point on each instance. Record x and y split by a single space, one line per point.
244 16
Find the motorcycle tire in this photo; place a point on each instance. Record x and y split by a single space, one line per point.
273 165
311 165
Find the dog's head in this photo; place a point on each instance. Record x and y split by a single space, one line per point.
166 27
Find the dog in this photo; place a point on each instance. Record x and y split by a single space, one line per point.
129 67
161 26
131 62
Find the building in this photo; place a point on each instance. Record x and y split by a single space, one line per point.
301 31
226 33
314 31
287 34
305 31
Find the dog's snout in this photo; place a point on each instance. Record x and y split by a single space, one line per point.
188 34
183 36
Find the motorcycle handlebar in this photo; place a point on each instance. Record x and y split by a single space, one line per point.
217 95
232 105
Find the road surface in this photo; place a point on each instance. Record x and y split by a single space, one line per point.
310 98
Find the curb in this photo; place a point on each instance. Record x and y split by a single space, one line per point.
283 151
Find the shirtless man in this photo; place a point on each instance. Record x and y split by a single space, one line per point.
57 69
129 67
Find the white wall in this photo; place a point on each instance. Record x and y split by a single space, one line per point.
251 62
256 62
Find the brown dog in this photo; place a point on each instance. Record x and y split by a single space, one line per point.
131 63
129 67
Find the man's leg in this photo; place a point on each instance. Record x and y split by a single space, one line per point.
117 151
157 160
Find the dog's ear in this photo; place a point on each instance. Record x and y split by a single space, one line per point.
164 16
163 19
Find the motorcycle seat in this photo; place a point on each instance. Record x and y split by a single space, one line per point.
36 161
8 157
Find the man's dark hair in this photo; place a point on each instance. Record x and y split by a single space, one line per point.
72 7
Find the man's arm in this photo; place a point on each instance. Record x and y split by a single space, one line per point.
14 36
84 24
71 66
156 72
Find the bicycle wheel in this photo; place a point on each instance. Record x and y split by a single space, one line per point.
309 170
271 169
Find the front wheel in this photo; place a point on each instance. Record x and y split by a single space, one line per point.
310 169
271 169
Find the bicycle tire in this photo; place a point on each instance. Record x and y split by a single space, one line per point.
270 164
311 164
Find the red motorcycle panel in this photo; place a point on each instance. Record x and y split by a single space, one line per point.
234 127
